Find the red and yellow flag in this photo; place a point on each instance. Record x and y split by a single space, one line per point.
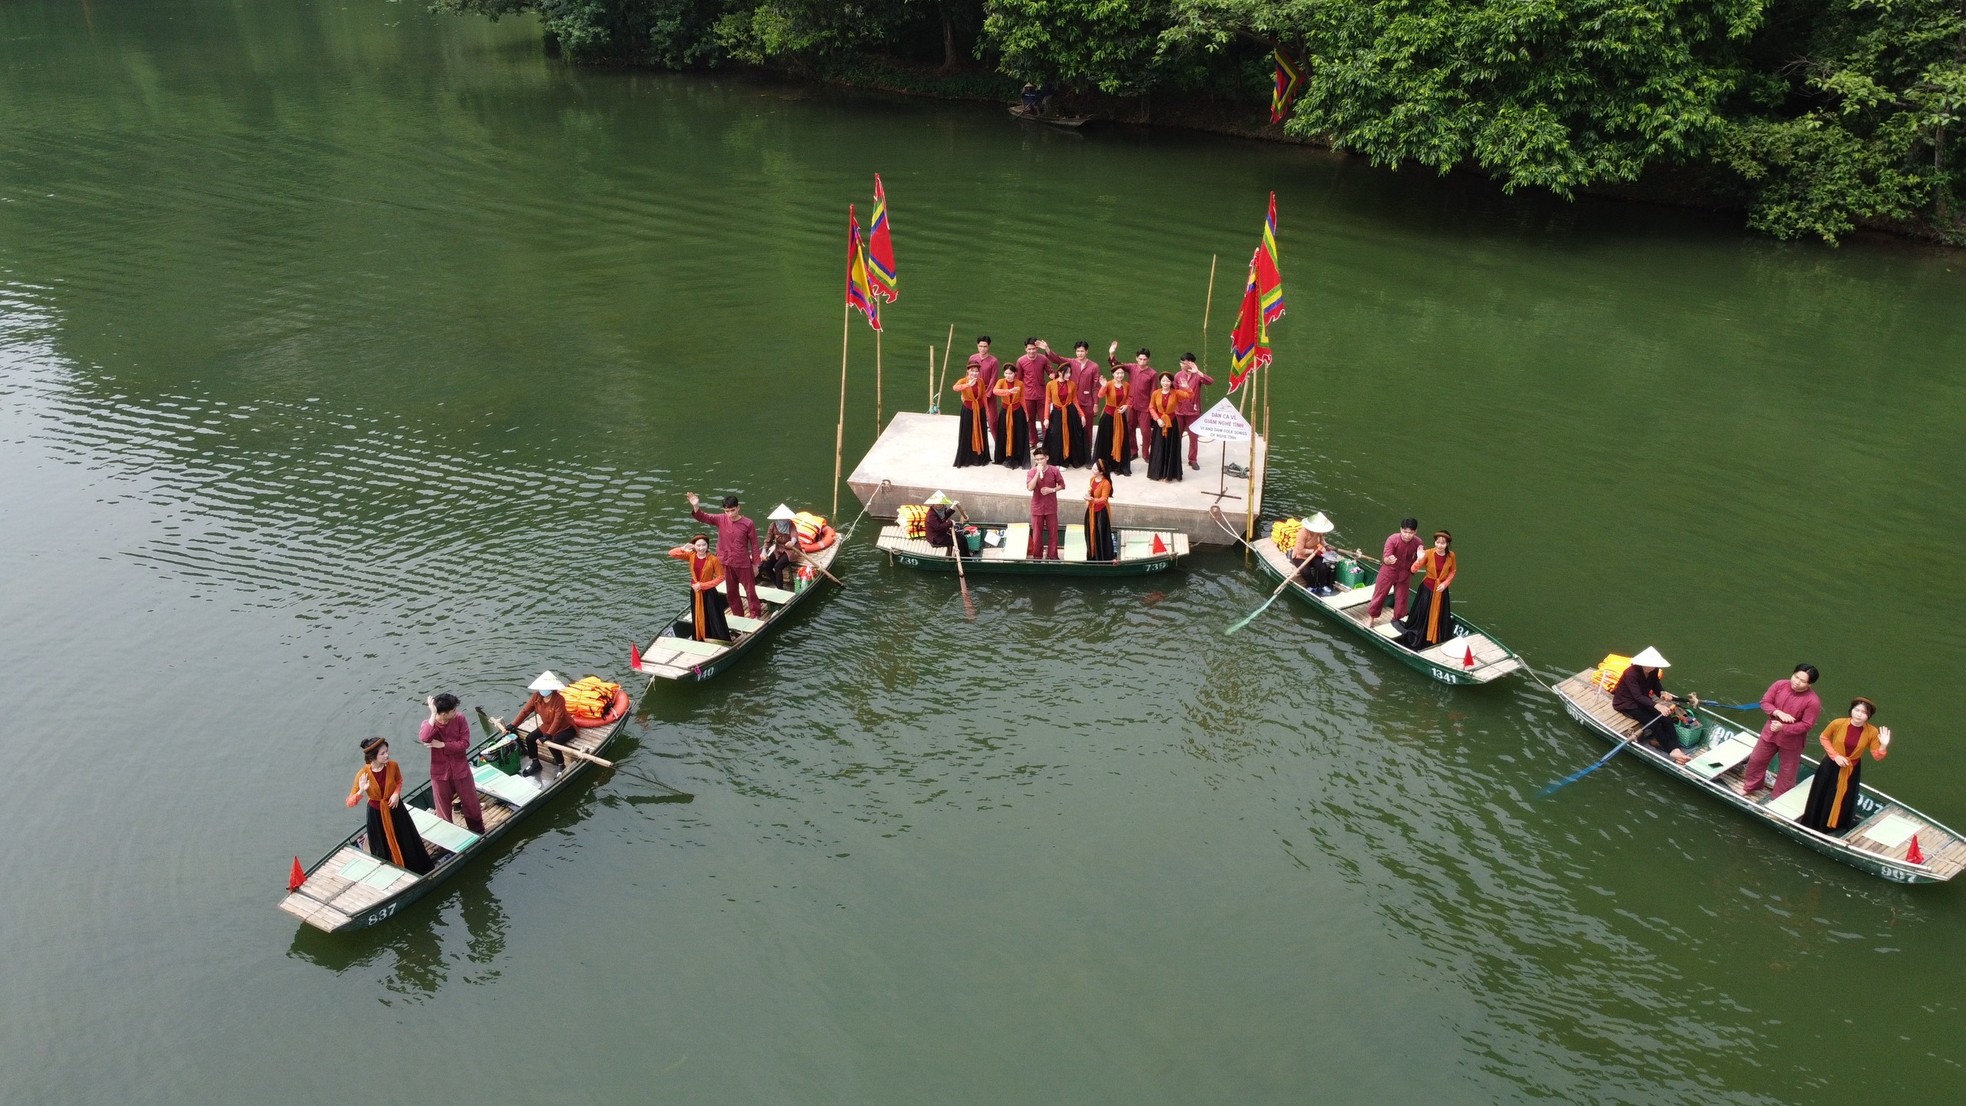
880 248
1289 78
1249 342
859 293
1269 279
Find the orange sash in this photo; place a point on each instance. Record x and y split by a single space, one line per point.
379 791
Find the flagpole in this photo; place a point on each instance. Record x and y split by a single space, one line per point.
877 384
1249 497
932 408
1207 307
839 431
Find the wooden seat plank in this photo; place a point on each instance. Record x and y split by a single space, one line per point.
778 596
744 624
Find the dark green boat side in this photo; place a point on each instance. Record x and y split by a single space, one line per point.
1471 656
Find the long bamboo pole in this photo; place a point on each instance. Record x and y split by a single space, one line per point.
947 343
1207 307
877 384
839 431
933 407
1249 492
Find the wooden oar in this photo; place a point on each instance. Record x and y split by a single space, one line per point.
969 606
806 558
1289 578
488 721
1601 761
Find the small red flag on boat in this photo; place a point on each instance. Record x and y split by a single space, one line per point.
1468 661
634 656
1915 855
296 877
1159 545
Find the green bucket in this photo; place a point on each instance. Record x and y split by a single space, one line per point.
1350 575
974 541
1690 735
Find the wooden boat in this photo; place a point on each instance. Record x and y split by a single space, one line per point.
1005 550
350 889
1878 842
675 654
1068 122
1471 656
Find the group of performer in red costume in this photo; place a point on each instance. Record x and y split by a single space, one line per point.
1046 400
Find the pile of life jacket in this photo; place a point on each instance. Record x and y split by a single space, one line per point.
1610 668
913 518
1284 532
590 697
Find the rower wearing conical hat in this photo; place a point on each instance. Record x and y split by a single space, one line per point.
781 546
555 723
1640 695
1308 554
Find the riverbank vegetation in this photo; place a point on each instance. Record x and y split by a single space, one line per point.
1813 117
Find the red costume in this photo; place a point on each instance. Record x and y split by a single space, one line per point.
737 550
1191 381
1085 382
450 770
1140 383
986 367
1786 738
1395 569
1045 481
1031 373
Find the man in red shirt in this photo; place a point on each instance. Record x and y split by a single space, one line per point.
1189 379
1141 380
1031 371
1395 571
737 548
1044 482
1792 708
1085 383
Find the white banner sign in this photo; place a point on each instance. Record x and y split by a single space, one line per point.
1223 423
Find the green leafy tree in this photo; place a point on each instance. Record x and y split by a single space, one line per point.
1111 45
1859 120
1555 94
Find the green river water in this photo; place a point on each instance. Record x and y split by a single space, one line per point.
350 353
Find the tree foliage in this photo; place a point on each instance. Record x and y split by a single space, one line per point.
1815 116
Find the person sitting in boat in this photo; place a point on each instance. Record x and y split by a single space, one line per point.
1028 98
555 721
1640 695
1314 570
1792 707
781 547
940 525
1431 621
1832 804
392 833
706 575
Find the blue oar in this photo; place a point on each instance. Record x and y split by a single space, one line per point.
1732 706
1601 762
1266 606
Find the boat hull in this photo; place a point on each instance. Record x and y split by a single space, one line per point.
1589 704
1007 559
1493 659
331 919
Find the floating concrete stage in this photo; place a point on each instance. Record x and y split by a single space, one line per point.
914 456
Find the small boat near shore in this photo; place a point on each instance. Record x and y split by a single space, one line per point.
1471 656
1006 550
1065 122
349 889
1879 842
675 654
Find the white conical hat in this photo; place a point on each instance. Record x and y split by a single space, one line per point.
547 682
1650 658
782 513
937 500
1318 524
